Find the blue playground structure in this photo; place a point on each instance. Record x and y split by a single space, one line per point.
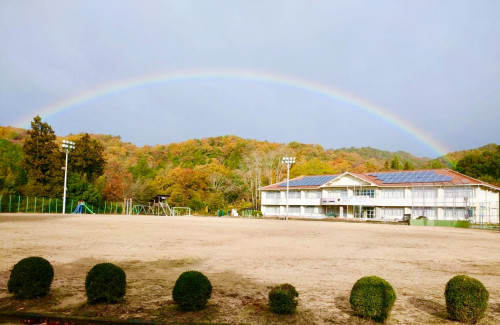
80 206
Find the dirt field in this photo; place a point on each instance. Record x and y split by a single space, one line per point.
243 258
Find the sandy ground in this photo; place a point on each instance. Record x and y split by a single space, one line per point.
243 258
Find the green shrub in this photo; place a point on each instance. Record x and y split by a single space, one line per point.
372 297
257 213
31 277
466 299
192 291
283 299
105 282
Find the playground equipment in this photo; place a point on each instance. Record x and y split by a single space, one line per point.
80 206
158 206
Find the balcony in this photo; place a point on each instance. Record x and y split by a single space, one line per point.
353 200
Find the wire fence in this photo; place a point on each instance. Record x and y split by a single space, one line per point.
27 204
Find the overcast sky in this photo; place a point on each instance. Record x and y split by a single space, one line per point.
435 65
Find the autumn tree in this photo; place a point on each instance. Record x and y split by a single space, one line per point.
142 190
182 185
340 165
387 165
311 167
118 180
251 174
42 161
218 175
272 164
372 165
142 169
485 165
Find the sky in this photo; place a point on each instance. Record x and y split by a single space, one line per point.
419 76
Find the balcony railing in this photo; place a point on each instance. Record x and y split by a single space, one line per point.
353 200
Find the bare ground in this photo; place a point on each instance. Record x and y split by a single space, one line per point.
244 258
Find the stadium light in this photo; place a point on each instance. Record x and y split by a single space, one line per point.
288 161
67 145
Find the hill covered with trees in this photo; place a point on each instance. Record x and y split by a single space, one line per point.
204 174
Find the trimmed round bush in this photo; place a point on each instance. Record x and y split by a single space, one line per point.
283 299
105 282
31 277
372 297
192 290
466 299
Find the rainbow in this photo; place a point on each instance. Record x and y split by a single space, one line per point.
221 74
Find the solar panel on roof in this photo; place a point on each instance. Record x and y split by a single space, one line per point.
310 181
427 176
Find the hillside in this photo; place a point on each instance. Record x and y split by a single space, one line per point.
210 173
230 150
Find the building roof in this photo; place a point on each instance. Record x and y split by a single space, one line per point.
407 178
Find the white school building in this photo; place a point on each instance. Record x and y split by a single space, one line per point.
438 194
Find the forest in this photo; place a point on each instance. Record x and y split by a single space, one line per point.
206 174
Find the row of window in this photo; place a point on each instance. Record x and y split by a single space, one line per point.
389 193
364 193
369 212
292 209
330 194
293 195
458 192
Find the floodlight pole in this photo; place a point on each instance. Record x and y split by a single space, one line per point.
66 145
288 161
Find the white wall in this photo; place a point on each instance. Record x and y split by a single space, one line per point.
482 197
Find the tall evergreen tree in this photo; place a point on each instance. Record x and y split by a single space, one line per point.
42 161
386 165
87 159
395 164
407 165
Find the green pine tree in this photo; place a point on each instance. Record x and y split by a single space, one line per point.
87 159
42 161
407 165
395 163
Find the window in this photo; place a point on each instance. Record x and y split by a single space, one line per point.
340 193
423 211
393 212
273 195
364 193
313 194
293 194
424 192
393 193
458 192
293 209
455 213
310 209
273 210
